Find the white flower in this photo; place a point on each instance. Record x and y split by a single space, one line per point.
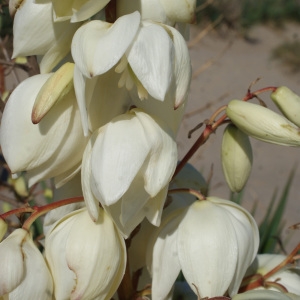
35 33
76 10
151 56
127 166
236 157
24 274
51 148
195 240
87 259
263 124
163 11
288 277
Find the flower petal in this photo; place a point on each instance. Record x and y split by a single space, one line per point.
98 46
150 58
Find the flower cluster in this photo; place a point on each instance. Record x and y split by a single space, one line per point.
101 120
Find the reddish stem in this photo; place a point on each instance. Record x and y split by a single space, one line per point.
39 211
20 210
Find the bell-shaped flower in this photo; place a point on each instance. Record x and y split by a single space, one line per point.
127 166
263 124
162 11
36 33
265 295
24 273
87 259
53 147
78 10
195 240
288 102
288 277
151 56
236 157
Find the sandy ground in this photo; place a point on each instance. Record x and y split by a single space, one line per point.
234 64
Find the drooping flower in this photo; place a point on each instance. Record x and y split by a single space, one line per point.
288 278
195 239
24 274
87 259
127 166
36 33
236 157
51 148
262 123
151 56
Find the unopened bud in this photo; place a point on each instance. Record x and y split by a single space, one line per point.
3 228
263 124
55 88
236 157
288 103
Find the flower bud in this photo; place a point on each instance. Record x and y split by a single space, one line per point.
3 228
288 103
236 157
58 85
263 124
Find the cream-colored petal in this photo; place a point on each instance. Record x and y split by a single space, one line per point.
97 46
151 59
88 9
12 261
120 152
95 248
48 149
201 244
180 11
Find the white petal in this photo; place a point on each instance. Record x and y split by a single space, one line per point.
88 9
55 253
12 261
162 256
34 29
95 249
37 283
47 149
98 46
162 110
182 70
163 154
91 202
261 295
80 91
120 152
201 244
150 58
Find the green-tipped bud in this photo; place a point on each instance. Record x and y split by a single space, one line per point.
288 103
55 89
236 157
263 124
